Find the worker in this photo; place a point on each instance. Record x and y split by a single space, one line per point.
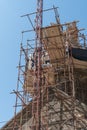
32 63
67 47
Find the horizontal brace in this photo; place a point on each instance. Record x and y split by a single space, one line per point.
37 12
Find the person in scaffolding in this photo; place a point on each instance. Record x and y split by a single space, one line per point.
67 48
32 63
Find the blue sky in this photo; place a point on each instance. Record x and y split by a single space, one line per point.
11 25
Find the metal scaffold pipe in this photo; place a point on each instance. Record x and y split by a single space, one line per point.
37 72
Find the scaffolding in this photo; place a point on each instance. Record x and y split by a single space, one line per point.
46 85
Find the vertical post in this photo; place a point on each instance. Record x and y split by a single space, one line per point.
37 73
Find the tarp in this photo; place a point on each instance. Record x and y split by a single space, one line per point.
80 54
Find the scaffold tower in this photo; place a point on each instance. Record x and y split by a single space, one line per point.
46 85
